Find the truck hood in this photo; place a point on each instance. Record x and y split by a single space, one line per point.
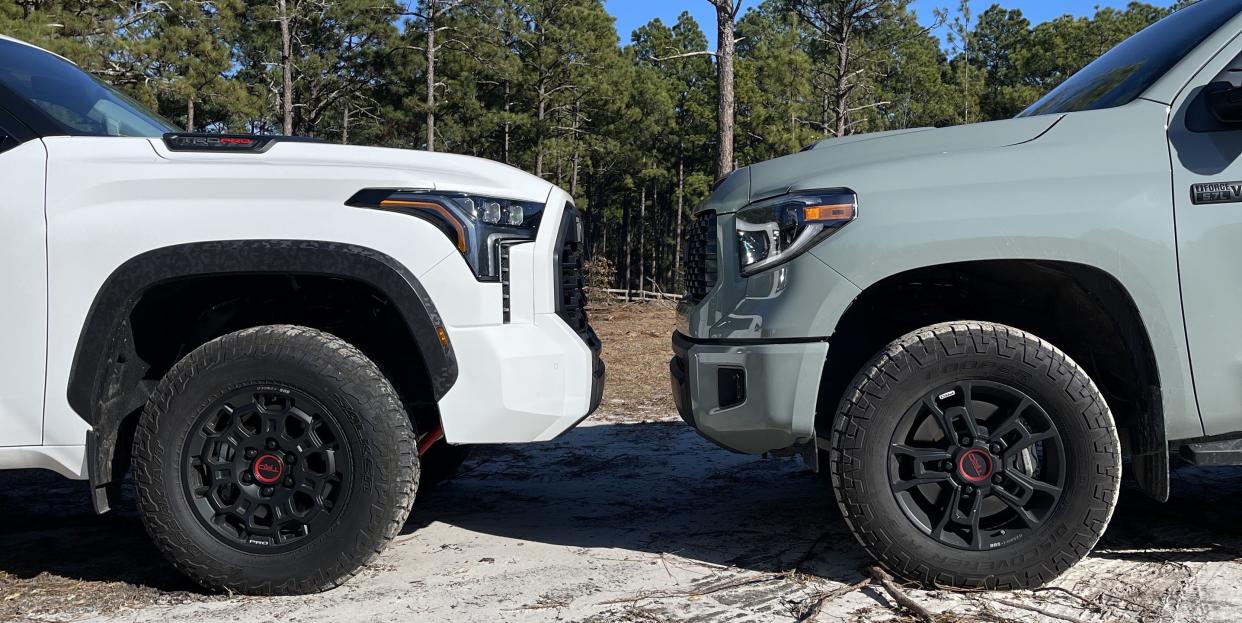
398 168
829 163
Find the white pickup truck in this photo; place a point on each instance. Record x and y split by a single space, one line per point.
269 331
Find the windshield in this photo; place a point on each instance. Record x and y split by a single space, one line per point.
1123 73
75 100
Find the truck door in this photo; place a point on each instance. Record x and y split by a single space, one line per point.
1207 197
23 284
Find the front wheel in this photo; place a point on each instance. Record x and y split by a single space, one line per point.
274 460
975 455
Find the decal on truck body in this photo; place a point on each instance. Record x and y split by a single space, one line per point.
1216 192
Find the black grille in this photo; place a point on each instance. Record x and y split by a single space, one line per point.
571 290
701 251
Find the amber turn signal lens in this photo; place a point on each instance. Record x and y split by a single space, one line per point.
828 213
437 209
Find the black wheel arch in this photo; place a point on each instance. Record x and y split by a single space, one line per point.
107 381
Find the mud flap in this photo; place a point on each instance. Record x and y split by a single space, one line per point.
1150 454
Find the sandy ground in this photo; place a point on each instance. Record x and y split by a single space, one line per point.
623 519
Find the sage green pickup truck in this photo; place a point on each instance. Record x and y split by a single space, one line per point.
971 328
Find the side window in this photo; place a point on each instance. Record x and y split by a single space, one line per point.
1217 106
7 141
12 132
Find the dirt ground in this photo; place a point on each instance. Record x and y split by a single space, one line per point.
630 517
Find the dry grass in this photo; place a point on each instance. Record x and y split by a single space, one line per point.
637 348
52 597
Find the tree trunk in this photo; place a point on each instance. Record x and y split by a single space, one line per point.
725 104
966 74
681 194
625 235
189 114
507 124
286 62
431 75
842 92
345 126
543 109
573 179
657 238
642 242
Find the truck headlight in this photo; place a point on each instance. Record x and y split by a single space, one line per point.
475 224
773 231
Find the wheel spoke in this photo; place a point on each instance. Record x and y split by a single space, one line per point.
955 500
972 424
947 418
976 534
927 479
1018 508
1033 486
945 425
921 455
1011 421
1028 439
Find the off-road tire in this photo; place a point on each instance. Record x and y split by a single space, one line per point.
378 435
900 376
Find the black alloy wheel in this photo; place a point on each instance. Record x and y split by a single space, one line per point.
977 464
265 467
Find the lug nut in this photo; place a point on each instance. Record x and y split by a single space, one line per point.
996 448
246 477
291 458
268 491
966 440
970 489
948 466
271 444
289 481
251 453
998 479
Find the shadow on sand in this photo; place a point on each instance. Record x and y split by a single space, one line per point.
649 487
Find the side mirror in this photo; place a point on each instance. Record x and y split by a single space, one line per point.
1225 102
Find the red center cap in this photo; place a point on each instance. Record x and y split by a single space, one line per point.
268 469
975 465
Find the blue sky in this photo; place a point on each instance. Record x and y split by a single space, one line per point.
631 14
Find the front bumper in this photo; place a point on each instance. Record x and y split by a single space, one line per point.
521 383
748 395
533 371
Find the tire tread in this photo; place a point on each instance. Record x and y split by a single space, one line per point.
351 373
943 341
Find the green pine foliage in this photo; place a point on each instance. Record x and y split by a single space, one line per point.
628 127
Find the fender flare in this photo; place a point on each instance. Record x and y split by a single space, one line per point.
103 389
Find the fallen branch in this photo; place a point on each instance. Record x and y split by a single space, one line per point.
1059 589
766 577
822 598
1051 615
899 595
